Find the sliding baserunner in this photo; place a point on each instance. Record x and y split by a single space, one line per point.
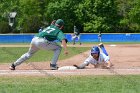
97 58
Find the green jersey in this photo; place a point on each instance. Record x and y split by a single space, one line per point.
52 33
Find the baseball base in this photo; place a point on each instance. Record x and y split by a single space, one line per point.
67 68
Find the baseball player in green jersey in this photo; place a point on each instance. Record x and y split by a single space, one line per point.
46 40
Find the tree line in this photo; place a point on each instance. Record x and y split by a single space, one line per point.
90 16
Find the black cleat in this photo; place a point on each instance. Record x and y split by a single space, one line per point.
12 67
54 66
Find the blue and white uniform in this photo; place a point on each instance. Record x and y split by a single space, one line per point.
102 59
96 57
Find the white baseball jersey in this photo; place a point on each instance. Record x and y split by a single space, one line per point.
102 59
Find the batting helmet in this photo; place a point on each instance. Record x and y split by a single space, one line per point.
95 50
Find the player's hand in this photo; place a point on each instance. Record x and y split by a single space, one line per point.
105 67
109 66
66 52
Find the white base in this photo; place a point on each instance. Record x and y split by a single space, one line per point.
113 45
67 68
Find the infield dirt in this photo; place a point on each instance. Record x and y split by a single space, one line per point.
125 58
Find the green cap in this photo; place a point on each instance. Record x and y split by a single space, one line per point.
59 22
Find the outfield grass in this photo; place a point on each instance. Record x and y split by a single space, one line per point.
71 84
10 54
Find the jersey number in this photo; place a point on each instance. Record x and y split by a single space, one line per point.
49 30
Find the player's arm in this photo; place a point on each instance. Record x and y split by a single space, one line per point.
84 64
107 61
81 66
61 37
64 44
108 64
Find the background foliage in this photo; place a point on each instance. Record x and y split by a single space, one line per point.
90 16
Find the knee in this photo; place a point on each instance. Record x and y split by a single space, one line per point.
28 55
59 48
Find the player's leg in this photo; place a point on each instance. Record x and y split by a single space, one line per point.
74 39
57 50
103 49
79 39
25 56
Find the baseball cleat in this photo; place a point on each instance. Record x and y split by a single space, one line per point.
101 45
12 67
54 66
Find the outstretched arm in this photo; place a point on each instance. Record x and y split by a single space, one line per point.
82 66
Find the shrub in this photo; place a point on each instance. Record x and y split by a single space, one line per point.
5 28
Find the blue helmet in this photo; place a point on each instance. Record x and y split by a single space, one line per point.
95 50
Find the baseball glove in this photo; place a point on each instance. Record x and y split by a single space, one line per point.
66 40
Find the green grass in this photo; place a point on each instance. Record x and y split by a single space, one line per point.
11 54
71 84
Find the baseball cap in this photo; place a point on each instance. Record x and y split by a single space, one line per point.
59 22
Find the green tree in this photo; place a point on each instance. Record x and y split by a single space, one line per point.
6 6
93 15
129 11
64 9
134 16
97 15
29 16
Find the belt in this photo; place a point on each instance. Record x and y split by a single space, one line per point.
43 38
39 37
